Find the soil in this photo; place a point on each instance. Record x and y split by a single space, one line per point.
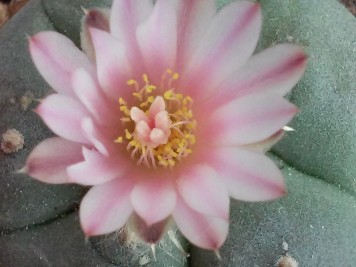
351 5
8 8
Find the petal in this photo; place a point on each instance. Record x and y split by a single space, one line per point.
90 94
249 176
153 199
266 144
112 65
100 137
126 15
275 69
229 42
202 191
150 234
207 232
106 208
250 119
94 18
96 169
157 40
56 57
49 160
193 17
62 114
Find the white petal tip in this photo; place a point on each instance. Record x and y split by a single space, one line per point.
85 11
153 249
217 253
288 129
23 170
86 239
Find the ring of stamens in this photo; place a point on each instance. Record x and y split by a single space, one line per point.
180 136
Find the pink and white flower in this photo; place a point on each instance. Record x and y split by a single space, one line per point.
166 114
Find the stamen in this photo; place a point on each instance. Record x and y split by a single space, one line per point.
165 134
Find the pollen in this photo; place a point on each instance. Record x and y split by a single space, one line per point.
159 122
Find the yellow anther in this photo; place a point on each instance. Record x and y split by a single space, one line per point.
125 119
187 100
168 94
145 78
122 101
144 104
131 82
150 99
137 95
125 110
175 76
133 143
163 162
171 162
173 154
128 135
178 96
119 140
150 88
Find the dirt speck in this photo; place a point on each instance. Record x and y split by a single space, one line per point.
26 100
287 261
12 141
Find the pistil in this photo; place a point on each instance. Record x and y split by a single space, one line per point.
163 123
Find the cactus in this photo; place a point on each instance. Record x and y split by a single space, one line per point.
315 223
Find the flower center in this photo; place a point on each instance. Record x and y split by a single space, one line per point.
159 127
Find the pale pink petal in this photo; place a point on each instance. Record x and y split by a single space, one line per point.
63 114
49 160
248 175
249 119
275 69
101 137
153 199
94 18
207 232
193 17
90 94
126 16
203 191
106 208
157 39
112 65
96 168
266 144
56 57
150 234
228 43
